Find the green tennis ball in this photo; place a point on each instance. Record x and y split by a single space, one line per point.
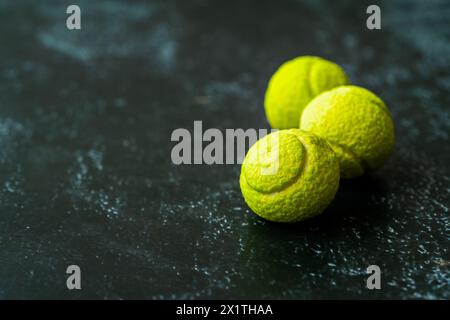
356 123
289 176
295 84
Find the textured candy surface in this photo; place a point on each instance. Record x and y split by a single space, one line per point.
356 123
295 84
289 175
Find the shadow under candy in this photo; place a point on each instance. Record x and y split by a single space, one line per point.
322 250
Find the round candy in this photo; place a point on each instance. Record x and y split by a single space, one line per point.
356 123
295 84
289 176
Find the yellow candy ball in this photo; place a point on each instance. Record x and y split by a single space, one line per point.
295 84
289 176
356 123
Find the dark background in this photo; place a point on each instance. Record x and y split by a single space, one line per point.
86 176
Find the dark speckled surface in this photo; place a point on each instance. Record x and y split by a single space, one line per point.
85 170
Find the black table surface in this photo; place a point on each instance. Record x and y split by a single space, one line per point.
86 176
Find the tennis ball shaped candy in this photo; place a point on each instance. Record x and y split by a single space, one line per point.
356 123
289 176
295 84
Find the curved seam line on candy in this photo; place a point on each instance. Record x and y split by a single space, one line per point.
311 93
309 88
364 165
381 106
304 164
